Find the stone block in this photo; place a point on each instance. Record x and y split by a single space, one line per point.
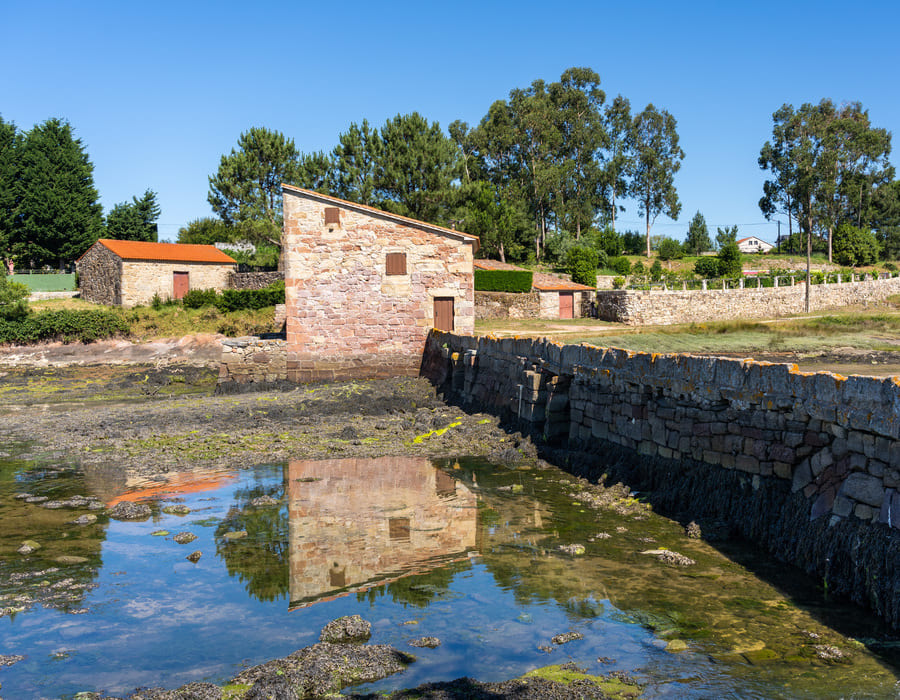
802 476
842 506
747 463
864 488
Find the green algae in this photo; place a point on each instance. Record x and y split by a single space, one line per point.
615 688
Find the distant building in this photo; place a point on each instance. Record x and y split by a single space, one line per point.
363 287
752 244
131 273
559 298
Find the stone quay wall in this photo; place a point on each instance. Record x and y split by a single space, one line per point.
507 305
253 280
252 362
805 464
659 307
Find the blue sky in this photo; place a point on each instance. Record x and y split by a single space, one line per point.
159 91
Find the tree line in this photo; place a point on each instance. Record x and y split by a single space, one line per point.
552 159
49 207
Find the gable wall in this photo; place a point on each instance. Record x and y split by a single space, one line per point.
99 271
345 316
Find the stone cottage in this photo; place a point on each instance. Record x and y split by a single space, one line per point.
364 287
130 273
556 297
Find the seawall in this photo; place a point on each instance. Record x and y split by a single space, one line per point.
659 307
807 465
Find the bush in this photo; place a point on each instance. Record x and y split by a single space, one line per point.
656 271
618 282
707 267
730 260
670 249
581 263
503 280
620 265
66 325
854 247
241 299
198 298
12 300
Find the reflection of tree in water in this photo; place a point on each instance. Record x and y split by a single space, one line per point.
418 590
259 560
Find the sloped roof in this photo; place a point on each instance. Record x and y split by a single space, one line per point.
170 252
372 211
540 281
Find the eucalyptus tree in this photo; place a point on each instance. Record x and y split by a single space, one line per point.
619 156
657 158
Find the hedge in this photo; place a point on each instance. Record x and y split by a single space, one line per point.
503 280
66 325
235 299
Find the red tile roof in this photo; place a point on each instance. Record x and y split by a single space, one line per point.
468 237
172 252
539 280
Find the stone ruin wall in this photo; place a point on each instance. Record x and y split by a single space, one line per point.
659 307
806 464
99 273
489 305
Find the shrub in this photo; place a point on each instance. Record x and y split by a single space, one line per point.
730 260
503 280
581 263
890 267
656 271
198 298
620 265
66 325
670 249
241 299
707 267
12 300
618 282
854 247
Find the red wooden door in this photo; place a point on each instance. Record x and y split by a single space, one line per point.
567 305
443 313
180 284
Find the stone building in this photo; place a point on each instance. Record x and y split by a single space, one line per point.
556 297
364 287
130 273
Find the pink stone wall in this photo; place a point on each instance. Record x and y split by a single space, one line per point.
345 316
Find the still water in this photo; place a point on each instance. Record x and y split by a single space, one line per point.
461 550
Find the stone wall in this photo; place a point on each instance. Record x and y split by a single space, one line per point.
99 276
253 280
346 317
253 362
658 307
141 280
806 464
507 305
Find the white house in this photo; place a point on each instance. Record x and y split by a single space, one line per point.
752 244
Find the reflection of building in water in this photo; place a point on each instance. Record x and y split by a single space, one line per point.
356 522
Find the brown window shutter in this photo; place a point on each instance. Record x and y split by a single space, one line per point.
396 264
332 216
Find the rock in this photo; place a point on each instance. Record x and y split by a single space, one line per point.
234 535
125 510
667 556
574 550
22 496
864 488
86 519
36 499
261 501
693 531
347 629
184 537
676 645
10 659
349 433
191 691
28 546
70 560
567 637
177 509
426 642
827 652
194 556
272 688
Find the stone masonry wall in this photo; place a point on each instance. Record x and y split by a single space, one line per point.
142 279
807 464
667 307
345 316
507 305
253 361
99 274
253 280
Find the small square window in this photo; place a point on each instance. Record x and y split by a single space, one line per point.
396 264
332 216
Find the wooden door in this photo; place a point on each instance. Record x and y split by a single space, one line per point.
567 304
180 284
443 314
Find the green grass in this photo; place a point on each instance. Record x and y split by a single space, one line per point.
53 282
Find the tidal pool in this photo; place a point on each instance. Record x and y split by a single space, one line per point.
494 561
